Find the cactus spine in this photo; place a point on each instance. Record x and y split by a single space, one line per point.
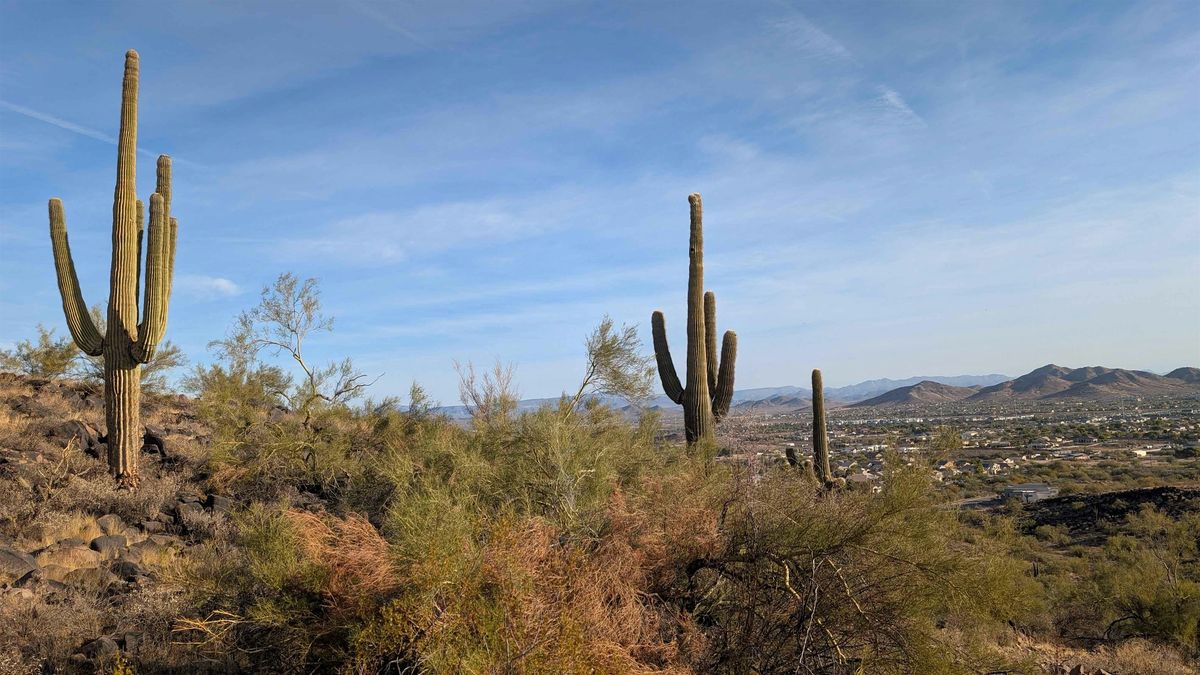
709 390
820 430
127 343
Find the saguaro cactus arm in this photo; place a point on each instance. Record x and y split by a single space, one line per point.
662 354
79 320
723 392
160 262
710 338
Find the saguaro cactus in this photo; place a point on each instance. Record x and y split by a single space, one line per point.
127 343
709 389
820 430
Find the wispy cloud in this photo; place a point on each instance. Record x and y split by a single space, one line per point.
894 104
806 35
891 200
58 122
207 288
384 18
76 128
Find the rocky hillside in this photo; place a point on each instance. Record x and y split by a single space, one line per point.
86 569
1087 517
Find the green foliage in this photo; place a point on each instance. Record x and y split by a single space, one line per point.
847 582
945 443
288 313
51 357
615 365
1149 577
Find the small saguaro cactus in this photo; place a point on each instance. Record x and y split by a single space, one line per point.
127 343
709 389
820 430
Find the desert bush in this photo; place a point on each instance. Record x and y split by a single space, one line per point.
1149 579
843 582
50 358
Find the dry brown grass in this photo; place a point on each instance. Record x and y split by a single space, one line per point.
56 526
356 557
1131 656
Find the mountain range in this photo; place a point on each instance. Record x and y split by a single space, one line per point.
1047 382
1052 382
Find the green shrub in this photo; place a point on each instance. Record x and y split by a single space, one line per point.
51 358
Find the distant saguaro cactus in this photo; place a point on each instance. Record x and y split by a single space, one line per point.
127 343
709 389
820 430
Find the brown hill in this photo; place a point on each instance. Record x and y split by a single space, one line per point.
920 393
775 404
1057 382
1185 374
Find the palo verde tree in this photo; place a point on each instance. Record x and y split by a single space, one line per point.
126 343
709 389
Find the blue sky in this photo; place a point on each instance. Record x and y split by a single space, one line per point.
890 188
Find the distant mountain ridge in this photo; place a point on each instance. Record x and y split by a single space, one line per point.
1048 382
871 388
925 391
1093 382
788 397
1052 382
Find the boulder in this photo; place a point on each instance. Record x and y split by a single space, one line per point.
99 648
188 508
48 578
220 504
68 556
54 574
111 524
73 430
154 441
127 570
152 527
131 641
110 545
96 578
14 564
18 595
26 405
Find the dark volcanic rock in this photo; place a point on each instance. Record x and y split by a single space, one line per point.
152 526
100 647
220 504
94 578
73 430
127 570
1086 517
110 545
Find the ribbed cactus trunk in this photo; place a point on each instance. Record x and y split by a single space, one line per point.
820 430
127 344
709 389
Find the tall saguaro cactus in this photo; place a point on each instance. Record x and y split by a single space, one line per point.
709 389
127 343
820 430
